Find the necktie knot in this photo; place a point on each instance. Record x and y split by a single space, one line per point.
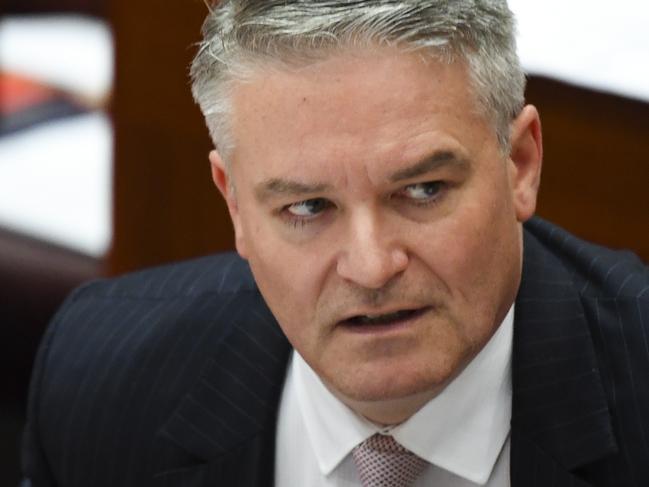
382 462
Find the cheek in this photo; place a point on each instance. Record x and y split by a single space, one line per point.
289 277
454 248
279 282
474 252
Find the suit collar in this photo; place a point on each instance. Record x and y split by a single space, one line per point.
228 418
559 408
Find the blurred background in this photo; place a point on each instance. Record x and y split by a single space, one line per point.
103 156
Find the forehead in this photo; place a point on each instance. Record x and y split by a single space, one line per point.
382 102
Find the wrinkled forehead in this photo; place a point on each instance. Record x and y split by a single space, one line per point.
386 102
364 79
329 67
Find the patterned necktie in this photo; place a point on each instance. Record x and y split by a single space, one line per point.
382 462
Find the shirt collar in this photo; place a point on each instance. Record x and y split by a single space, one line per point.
465 425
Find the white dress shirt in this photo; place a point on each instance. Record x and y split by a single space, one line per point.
463 432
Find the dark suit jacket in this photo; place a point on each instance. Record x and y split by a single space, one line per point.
172 376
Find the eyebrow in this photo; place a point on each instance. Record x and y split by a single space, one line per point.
428 164
276 187
283 187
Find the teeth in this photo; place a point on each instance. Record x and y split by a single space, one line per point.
380 319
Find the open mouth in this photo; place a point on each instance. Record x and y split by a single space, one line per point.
385 319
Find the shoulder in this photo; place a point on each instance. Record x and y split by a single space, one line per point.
121 353
594 271
153 299
612 292
611 289
165 309
152 307
214 274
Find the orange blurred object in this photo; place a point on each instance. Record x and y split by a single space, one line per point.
18 93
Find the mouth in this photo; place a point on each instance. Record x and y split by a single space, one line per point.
383 320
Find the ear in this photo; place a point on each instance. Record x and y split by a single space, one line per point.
222 181
526 157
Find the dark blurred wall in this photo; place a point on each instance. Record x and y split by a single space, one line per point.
595 178
166 207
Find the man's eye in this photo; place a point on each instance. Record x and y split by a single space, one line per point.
307 208
423 192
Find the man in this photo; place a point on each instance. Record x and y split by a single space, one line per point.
396 325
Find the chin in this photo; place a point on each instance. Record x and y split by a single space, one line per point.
395 383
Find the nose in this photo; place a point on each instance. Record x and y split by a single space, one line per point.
371 255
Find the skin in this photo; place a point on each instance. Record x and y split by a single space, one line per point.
370 184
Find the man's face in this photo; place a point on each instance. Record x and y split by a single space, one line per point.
379 217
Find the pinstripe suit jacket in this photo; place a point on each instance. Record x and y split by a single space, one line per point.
172 376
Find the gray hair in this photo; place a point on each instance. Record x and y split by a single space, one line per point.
239 36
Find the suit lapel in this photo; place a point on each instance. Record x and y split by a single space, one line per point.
532 466
560 417
227 420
